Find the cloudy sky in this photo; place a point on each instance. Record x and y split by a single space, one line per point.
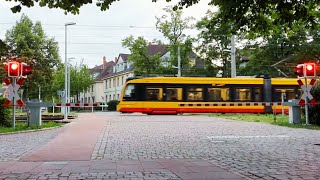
98 33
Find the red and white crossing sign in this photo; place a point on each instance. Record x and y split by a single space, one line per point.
13 92
306 92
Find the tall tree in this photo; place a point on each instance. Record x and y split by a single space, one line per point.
250 14
281 51
144 63
80 79
214 41
173 26
29 42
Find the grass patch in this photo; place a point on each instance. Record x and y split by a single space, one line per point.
266 118
24 126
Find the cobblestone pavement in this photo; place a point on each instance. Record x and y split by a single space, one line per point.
255 150
138 146
13 146
100 175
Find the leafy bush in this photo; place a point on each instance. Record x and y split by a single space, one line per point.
314 111
112 105
5 118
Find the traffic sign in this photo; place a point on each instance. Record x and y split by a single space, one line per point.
61 93
13 92
306 92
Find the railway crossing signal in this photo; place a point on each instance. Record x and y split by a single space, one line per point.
13 92
26 69
13 69
306 70
306 92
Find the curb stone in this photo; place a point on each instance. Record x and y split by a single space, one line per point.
31 130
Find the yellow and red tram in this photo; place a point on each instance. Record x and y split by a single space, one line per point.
175 95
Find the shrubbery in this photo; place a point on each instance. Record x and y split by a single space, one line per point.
112 105
5 118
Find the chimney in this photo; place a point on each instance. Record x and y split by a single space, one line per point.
104 62
115 60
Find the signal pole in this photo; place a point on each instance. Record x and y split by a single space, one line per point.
306 103
14 107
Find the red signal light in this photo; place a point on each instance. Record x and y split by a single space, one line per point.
310 70
14 66
300 70
14 69
25 69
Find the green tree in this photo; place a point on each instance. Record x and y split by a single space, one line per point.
80 79
143 62
249 15
281 51
29 42
214 39
173 27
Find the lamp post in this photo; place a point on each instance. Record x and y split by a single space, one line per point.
66 71
68 94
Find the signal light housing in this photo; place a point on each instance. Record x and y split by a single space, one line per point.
25 69
310 70
13 69
300 70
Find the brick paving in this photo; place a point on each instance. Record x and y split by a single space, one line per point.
138 146
254 150
13 146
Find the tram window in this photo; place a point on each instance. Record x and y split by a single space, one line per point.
174 94
257 94
154 94
194 94
129 93
243 94
218 94
287 94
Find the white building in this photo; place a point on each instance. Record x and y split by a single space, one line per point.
113 83
96 92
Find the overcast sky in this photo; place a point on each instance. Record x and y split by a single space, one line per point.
98 33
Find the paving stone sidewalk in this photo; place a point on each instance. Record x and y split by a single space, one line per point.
69 153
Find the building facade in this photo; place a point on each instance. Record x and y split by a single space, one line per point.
95 94
114 82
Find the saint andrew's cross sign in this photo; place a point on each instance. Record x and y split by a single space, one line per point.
13 92
306 92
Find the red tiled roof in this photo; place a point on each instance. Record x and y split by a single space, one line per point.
156 48
108 70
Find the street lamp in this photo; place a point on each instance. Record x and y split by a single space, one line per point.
66 70
68 93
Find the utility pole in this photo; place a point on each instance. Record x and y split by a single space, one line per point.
179 62
233 57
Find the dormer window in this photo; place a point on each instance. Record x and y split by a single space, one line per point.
125 66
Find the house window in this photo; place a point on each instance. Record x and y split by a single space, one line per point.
118 97
114 82
109 97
